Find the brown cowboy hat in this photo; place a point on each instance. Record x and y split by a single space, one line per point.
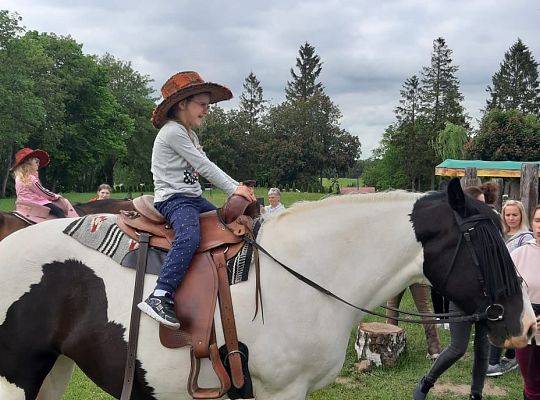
27 153
182 85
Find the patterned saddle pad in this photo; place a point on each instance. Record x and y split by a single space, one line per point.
100 232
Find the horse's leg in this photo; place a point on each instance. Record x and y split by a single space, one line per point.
56 382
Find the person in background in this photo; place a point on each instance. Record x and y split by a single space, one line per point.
27 184
103 192
275 206
476 193
420 295
177 161
491 191
516 234
527 261
460 333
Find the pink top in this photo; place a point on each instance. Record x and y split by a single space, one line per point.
527 260
34 192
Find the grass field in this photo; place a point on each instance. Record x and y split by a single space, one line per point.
394 383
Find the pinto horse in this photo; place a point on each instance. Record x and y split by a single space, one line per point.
64 304
9 223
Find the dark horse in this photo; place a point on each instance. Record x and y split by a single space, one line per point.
63 303
9 223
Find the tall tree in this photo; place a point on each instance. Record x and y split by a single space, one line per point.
304 83
251 99
450 141
9 27
441 97
21 107
506 135
135 97
409 104
515 85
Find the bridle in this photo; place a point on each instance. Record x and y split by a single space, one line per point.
493 312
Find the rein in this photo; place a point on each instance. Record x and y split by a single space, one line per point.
453 317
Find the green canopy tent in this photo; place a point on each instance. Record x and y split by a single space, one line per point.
490 169
522 185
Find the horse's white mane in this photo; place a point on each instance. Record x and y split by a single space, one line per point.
305 206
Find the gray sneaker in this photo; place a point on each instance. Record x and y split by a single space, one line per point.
161 308
508 364
494 370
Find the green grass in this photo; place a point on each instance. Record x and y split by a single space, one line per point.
394 383
343 182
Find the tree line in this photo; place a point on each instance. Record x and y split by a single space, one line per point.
92 114
431 124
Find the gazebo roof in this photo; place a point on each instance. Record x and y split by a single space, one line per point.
494 169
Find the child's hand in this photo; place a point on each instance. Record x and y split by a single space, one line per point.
246 192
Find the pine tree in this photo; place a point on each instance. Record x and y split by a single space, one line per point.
251 100
515 85
441 98
408 109
303 84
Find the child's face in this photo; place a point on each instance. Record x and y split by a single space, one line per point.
34 164
195 110
103 194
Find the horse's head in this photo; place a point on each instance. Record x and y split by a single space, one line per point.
465 259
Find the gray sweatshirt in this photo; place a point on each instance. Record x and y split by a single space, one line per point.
177 162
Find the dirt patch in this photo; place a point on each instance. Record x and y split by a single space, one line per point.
463 390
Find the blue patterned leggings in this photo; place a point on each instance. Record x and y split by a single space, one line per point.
182 213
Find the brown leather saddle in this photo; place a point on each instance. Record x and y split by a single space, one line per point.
204 285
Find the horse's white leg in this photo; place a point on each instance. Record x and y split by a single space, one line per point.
56 381
9 391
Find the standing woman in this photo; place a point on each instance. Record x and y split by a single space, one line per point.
515 225
516 234
177 161
527 260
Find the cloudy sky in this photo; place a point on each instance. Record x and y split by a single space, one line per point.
368 47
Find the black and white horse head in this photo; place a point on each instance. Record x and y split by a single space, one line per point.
466 260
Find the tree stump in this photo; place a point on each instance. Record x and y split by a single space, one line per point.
379 343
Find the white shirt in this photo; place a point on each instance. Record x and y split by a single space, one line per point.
273 210
177 161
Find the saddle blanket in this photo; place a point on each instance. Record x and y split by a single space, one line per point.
100 232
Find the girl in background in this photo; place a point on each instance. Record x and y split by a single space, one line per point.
27 184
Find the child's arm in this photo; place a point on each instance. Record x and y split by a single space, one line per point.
38 188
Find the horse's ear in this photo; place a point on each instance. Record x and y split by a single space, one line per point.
456 197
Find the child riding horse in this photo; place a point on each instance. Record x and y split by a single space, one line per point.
177 161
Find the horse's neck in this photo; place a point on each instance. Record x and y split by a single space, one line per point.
363 251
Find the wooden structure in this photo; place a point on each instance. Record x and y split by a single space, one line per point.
379 344
504 173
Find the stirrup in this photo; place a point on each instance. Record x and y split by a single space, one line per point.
208 393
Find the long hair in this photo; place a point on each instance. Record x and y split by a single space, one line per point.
23 172
524 220
491 191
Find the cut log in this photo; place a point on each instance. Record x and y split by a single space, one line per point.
379 343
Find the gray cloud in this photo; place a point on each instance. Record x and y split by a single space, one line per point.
368 48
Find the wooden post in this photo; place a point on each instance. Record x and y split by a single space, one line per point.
470 178
528 187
